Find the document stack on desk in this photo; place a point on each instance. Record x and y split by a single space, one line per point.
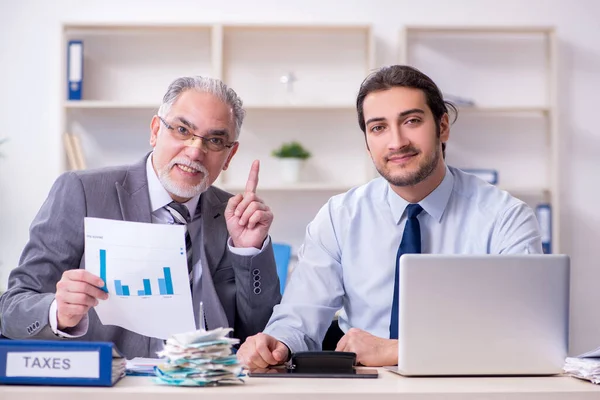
199 358
585 366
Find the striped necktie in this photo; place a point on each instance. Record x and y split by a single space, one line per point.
181 215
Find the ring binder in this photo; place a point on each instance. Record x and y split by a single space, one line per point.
544 216
74 69
38 362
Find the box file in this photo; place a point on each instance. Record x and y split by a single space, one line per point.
74 69
543 213
69 363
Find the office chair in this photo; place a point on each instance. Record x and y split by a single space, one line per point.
283 253
332 337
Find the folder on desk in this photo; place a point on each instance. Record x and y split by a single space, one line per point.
74 69
38 362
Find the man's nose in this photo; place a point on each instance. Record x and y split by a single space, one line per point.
397 139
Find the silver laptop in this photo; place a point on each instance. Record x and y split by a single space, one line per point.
482 314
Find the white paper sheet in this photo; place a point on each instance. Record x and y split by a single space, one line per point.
145 270
591 354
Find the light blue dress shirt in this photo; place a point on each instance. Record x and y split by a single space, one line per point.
348 256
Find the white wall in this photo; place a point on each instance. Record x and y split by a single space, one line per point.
31 71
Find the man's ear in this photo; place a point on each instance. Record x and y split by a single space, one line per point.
444 128
154 130
367 147
234 150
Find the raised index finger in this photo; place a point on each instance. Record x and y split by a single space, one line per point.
253 177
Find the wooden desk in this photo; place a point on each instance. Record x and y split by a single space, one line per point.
387 387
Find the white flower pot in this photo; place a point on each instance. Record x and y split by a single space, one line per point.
290 169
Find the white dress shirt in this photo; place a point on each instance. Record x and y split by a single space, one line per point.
159 198
348 258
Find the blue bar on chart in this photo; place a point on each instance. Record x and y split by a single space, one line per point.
103 269
147 289
141 293
168 281
122 290
118 288
165 285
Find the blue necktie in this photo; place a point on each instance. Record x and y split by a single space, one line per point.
410 243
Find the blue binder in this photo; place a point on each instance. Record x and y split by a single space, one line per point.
543 213
74 69
282 254
72 363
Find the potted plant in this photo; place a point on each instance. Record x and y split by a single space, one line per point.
291 156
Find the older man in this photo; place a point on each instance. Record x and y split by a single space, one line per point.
50 295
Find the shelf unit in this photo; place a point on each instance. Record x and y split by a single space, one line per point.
510 74
127 68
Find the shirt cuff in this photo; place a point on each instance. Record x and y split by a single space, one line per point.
247 251
77 331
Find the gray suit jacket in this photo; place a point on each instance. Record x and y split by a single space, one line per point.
56 244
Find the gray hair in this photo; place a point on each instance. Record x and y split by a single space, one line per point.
204 84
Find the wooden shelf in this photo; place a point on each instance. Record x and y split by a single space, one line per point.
510 73
292 187
308 107
480 29
101 104
332 187
527 191
503 110
296 27
116 28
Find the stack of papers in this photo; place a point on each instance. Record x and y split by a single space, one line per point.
199 358
585 366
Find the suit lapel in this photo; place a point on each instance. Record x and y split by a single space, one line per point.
214 243
214 228
134 198
134 201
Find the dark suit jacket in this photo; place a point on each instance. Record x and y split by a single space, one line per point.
56 244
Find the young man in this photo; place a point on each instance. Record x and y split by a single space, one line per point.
419 205
194 136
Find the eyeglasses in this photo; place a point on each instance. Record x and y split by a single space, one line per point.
212 143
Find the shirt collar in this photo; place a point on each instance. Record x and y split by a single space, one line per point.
159 197
434 204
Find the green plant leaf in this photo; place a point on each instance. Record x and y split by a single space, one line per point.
291 150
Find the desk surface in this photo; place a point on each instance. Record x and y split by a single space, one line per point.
387 386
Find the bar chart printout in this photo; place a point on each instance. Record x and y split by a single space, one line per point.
144 269
164 284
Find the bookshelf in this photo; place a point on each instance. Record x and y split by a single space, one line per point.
127 68
510 74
